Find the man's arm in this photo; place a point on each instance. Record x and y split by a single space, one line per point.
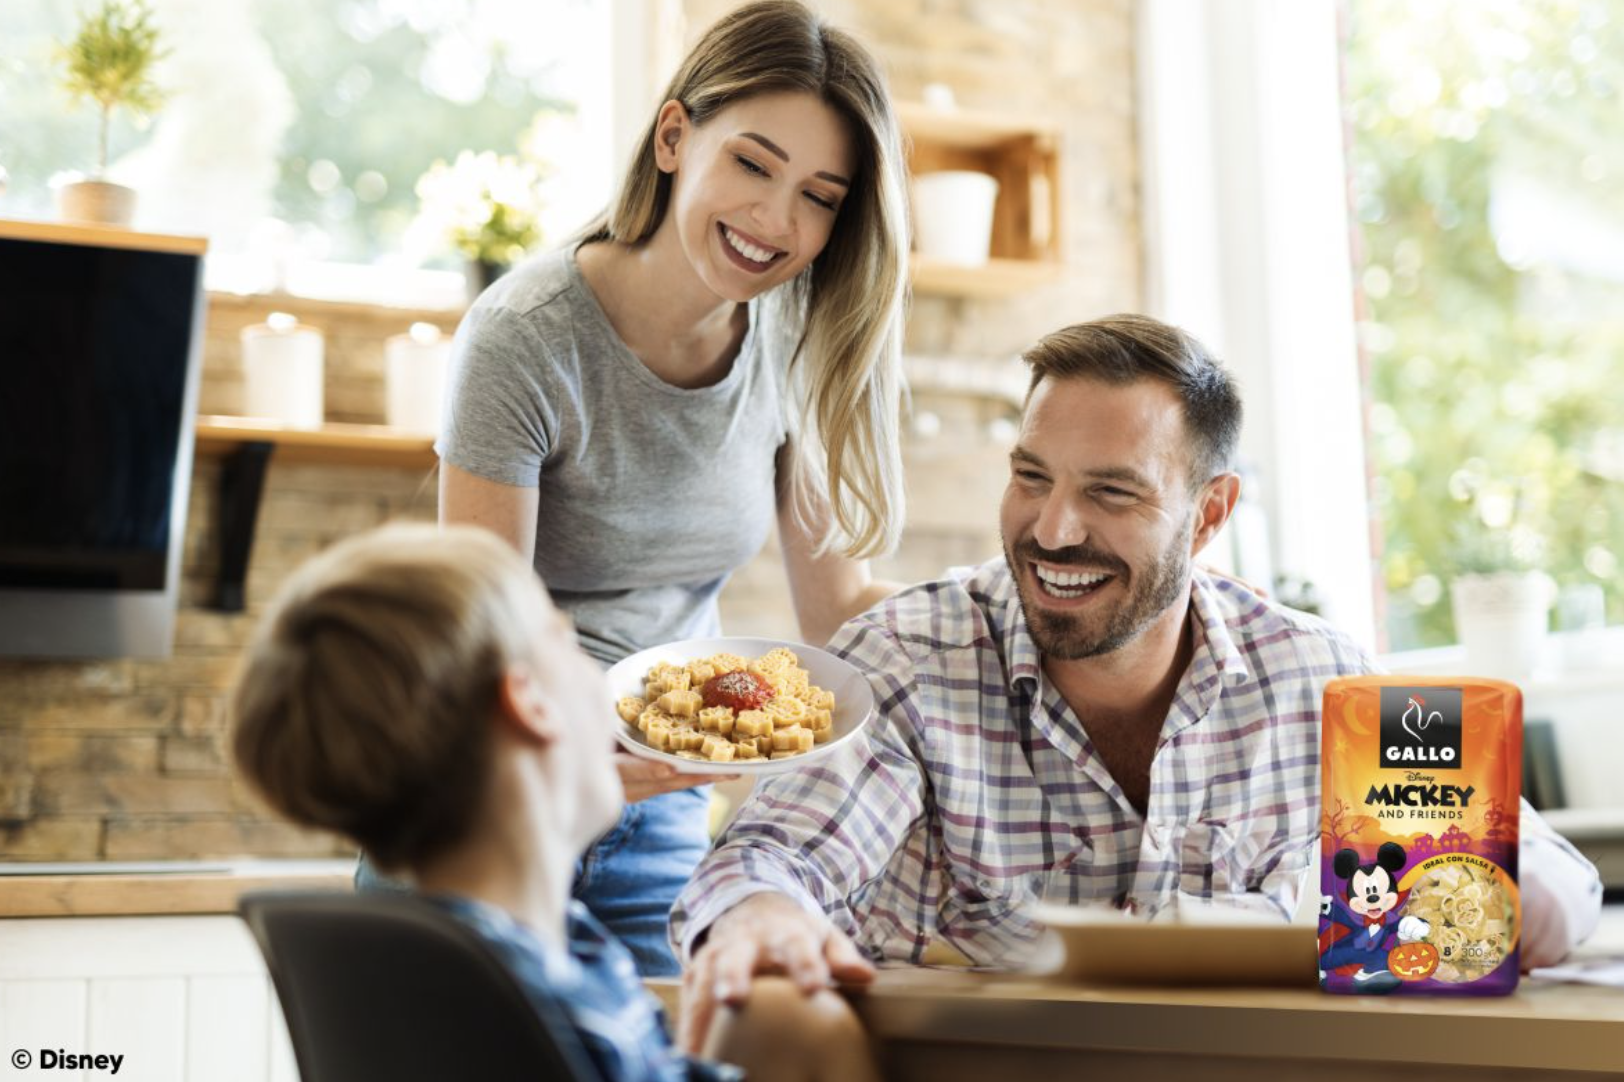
1561 893
775 893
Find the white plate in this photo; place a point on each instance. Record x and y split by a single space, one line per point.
854 699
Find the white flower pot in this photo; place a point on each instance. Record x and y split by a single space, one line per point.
953 216
1502 620
99 201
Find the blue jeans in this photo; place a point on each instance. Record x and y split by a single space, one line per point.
630 878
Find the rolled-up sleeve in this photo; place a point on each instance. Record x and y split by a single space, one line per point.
1561 893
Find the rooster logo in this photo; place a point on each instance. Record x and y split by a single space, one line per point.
1415 711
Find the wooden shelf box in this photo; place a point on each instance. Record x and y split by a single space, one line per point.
1025 159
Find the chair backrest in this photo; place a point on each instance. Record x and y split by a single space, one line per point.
385 986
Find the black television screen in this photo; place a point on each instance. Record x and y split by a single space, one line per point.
98 357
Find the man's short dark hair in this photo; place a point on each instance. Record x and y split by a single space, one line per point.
1127 348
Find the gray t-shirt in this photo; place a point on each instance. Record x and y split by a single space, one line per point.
651 495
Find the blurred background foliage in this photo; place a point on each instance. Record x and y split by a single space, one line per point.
371 93
1487 154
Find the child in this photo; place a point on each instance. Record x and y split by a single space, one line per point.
414 689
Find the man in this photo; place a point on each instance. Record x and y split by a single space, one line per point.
1091 719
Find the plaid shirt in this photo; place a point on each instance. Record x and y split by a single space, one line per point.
975 791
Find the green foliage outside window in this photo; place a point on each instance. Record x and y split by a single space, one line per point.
1488 172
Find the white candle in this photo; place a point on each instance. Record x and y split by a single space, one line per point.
416 370
282 371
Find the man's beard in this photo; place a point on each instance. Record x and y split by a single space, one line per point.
1071 636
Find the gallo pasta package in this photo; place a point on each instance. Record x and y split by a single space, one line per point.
1422 780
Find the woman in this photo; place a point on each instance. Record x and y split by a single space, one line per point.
721 350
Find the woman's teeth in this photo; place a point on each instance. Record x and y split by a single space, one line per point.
1068 584
746 249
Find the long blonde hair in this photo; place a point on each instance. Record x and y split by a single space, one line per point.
849 303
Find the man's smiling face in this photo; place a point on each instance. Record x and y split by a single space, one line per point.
1097 519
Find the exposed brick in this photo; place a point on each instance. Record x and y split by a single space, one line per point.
202 714
17 795
187 671
194 755
116 795
77 753
216 837
51 839
35 679
150 712
201 630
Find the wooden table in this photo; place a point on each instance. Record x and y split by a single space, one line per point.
943 1026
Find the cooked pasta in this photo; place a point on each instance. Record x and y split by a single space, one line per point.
726 708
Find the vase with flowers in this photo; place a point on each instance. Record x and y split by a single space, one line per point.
109 63
487 207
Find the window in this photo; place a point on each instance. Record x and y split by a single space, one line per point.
1487 161
296 130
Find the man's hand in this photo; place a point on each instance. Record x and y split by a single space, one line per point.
765 933
643 778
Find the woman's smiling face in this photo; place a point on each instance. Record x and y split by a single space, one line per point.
755 189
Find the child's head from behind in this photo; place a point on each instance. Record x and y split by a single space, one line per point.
389 675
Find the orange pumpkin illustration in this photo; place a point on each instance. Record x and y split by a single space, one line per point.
1412 961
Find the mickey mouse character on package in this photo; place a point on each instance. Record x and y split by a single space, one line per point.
1372 896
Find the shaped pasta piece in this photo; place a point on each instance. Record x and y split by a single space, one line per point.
753 723
722 663
819 698
717 719
686 739
785 711
781 657
699 672
629 708
680 704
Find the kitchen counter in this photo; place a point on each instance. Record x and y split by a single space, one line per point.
156 889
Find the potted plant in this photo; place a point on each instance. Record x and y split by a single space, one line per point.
109 62
485 206
1500 593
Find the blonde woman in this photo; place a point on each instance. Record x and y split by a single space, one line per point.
720 352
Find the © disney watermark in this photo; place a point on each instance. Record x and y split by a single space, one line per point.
56 1059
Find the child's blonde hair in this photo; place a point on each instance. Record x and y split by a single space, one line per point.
850 302
366 694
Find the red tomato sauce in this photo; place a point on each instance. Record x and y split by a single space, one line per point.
738 689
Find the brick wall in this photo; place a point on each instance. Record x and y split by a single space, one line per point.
123 759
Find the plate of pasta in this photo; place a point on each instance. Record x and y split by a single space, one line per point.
737 705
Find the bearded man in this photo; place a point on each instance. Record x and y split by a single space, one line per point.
1091 719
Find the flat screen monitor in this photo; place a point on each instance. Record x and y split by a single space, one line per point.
100 347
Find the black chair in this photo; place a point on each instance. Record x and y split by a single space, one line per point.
388 987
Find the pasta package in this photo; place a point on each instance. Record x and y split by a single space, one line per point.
1421 785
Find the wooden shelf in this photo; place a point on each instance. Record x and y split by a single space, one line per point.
997 278
968 129
1024 158
101 236
337 444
